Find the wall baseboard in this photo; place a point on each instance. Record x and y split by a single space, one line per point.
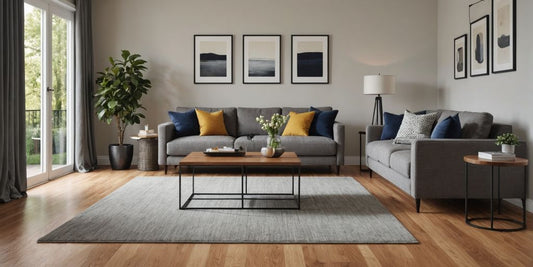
518 203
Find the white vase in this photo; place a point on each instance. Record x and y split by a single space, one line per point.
508 148
267 152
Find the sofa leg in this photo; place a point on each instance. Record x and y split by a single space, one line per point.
370 171
417 205
166 169
338 169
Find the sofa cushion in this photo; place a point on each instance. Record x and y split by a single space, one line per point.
251 143
393 123
230 117
400 161
298 124
287 110
381 150
211 123
184 145
448 128
415 127
246 123
475 125
186 123
309 145
323 121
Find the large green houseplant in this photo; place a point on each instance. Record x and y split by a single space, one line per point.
121 87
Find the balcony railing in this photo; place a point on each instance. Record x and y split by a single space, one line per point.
33 118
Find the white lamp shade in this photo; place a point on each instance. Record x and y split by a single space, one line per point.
379 84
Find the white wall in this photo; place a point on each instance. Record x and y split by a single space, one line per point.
508 96
366 37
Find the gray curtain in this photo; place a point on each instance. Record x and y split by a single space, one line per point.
84 148
12 101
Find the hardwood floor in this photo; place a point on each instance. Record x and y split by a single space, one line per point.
445 239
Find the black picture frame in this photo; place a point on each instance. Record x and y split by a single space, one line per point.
261 52
209 51
310 61
479 47
503 36
460 56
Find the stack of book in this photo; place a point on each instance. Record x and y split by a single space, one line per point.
496 155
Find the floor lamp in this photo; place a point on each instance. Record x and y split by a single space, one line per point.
379 85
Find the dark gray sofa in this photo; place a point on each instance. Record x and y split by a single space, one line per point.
434 168
244 131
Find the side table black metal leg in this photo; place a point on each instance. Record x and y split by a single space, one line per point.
466 192
491 197
361 133
242 186
499 198
179 187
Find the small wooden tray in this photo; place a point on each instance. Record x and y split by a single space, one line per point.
237 153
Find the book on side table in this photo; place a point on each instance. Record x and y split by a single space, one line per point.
496 155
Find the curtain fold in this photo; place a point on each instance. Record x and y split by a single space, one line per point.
84 146
12 101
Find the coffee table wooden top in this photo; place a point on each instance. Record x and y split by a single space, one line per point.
250 159
473 159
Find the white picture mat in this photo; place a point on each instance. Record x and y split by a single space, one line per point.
479 26
323 40
503 59
276 40
458 43
229 58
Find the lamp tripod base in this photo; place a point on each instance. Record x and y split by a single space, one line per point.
377 116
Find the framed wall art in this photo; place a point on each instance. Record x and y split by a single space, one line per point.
310 59
479 50
261 59
460 56
213 59
503 35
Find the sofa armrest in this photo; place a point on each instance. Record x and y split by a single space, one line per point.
165 134
339 137
373 133
438 169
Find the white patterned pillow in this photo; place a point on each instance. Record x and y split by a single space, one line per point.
415 127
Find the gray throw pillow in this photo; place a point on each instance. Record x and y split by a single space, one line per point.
415 127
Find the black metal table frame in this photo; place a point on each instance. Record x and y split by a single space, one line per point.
492 218
244 191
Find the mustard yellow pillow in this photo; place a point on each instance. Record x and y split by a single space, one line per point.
211 123
299 123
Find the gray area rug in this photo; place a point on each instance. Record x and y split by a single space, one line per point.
333 210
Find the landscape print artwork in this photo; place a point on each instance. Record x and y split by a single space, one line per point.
479 50
460 52
503 35
261 58
213 58
310 59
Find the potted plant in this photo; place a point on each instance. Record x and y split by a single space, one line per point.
121 87
508 141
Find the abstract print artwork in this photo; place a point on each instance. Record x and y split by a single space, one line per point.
310 58
213 58
460 56
479 50
503 35
261 59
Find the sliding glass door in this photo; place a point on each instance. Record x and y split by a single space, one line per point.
48 42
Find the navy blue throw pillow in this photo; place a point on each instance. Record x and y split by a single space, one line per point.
322 124
448 128
393 123
186 123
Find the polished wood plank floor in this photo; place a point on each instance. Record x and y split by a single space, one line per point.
445 240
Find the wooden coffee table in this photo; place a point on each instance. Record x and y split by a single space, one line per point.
252 159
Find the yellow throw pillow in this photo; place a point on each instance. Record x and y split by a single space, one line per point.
299 123
211 123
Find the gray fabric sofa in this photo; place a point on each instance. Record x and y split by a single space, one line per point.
244 131
434 168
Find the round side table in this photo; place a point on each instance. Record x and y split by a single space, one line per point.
147 153
517 162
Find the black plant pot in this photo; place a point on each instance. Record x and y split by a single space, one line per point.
120 156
